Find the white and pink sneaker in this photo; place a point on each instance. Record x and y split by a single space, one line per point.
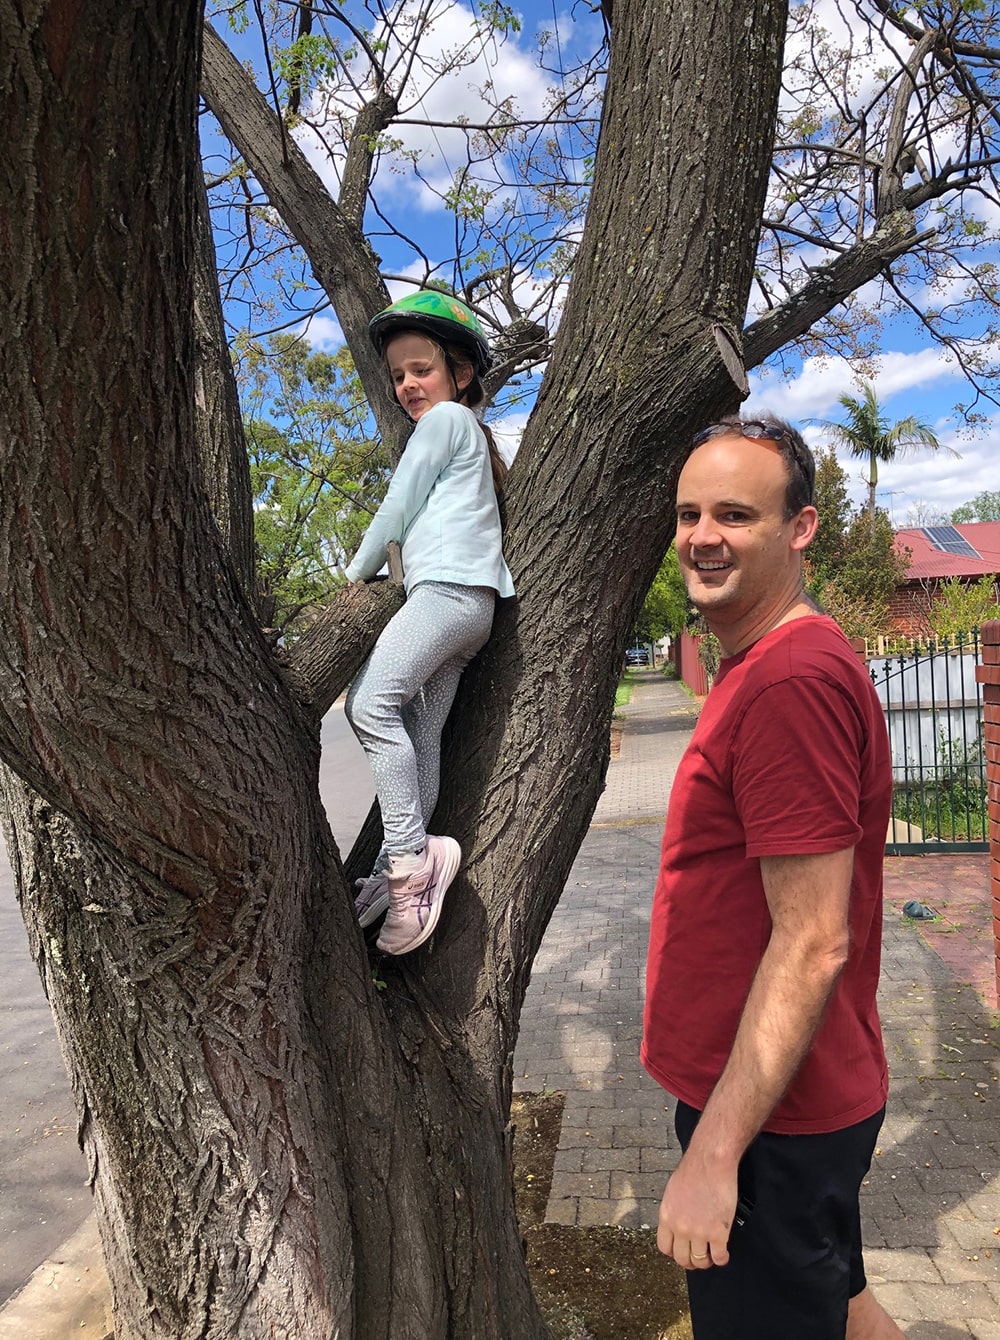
372 898
416 898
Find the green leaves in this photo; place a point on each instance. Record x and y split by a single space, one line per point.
852 565
666 605
960 607
317 475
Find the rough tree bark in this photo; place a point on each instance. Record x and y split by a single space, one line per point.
223 447
278 1149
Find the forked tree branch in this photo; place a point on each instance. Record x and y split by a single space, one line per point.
342 261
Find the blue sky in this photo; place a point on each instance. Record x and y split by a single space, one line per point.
917 381
911 375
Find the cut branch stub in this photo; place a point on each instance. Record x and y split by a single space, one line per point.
395 563
732 357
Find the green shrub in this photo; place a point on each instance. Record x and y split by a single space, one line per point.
950 804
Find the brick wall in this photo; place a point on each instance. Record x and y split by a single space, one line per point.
988 675
908 611
908 607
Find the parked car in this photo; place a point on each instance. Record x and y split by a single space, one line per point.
637 656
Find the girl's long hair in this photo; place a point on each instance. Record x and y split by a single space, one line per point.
473 396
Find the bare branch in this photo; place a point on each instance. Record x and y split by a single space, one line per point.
341 257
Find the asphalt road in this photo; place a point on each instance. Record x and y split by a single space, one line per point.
43 1192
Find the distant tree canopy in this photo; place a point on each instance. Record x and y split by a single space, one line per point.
961 607
316 475
852 566
983 507
665 609
833 503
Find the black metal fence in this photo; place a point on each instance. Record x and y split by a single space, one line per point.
934 711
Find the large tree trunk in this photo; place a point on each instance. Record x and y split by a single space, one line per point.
279 1149
660 286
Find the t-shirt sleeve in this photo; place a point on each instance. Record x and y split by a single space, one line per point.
435 440
797 769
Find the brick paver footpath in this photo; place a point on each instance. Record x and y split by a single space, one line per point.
931 1205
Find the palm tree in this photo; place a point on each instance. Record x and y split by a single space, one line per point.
868 434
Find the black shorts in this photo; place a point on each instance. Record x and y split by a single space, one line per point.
796 1261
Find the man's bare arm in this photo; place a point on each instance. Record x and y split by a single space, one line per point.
808 898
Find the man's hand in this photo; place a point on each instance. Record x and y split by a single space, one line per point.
696 1213
808 898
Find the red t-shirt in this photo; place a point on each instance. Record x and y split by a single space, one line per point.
790 756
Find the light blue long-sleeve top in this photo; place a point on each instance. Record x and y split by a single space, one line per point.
441 508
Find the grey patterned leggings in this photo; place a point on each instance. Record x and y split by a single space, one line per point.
401 698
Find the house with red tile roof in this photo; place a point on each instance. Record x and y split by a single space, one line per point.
968 551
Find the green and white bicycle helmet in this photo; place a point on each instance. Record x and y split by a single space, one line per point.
439 315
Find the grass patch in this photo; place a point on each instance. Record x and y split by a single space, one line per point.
942 814
591 1283
947 799
623 693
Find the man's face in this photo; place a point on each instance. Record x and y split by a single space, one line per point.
739 555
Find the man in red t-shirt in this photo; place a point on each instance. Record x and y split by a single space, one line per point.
766 930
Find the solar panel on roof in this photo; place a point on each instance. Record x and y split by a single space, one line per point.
949 541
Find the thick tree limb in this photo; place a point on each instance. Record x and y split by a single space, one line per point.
890 184
667 253
828 287
137 699
373 118
222 446
521 343
342 261
333 648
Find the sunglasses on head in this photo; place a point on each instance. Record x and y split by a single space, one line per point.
756 430
752 428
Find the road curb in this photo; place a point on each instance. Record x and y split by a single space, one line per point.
68 1294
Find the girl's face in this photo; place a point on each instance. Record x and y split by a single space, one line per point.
419 374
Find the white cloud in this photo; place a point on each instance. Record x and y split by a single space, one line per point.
447 81
323 332
508 432
905 383
814 393
398 288
863 75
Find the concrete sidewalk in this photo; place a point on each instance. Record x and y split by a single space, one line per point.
932 1202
